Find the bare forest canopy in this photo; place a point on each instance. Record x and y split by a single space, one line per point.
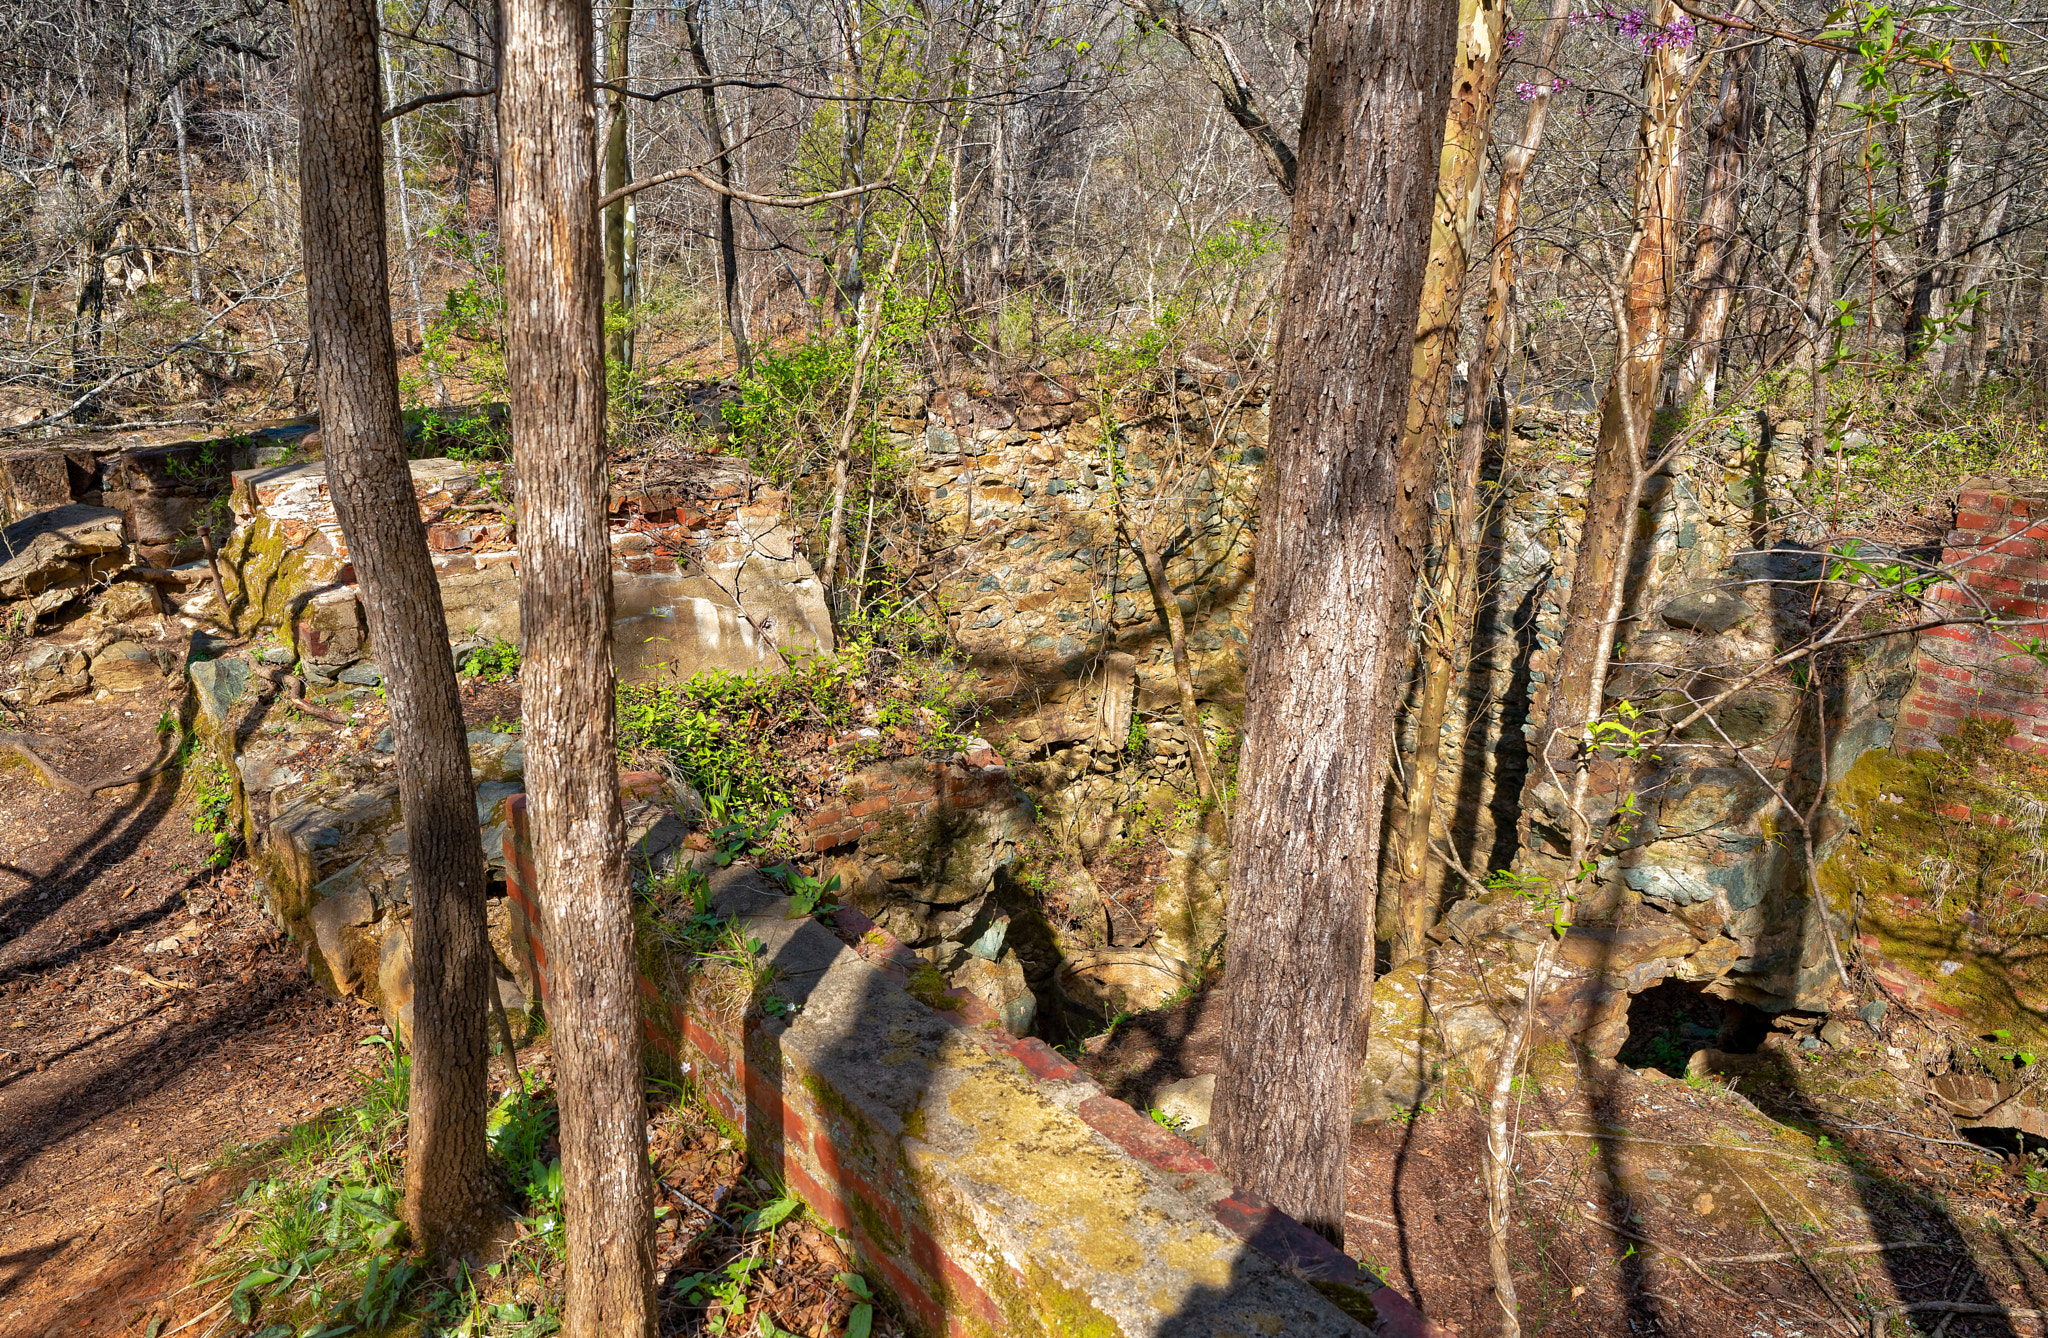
995 185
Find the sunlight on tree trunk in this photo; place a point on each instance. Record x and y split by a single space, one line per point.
555 360
1338 552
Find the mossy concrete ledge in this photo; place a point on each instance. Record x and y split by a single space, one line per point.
993 1186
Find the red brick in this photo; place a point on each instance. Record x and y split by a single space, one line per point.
827 817
1916 719
1141 1136
867 806
1980 522
1995 585
1954 812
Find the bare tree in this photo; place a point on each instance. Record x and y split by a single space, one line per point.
555 358
1341 525
449 1200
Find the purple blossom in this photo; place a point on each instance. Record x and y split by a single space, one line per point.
1514 39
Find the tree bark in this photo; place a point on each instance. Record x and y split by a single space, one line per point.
555 361
618 170
728 237
1927 285
1642 319
1461 172
1715 255
1218 60
1340 527
448 1185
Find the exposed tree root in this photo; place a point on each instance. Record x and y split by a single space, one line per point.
24 744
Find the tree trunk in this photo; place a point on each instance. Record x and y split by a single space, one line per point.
1339 538
1714 258
448 1185
554 305
1642 322
1168 607
1934 232
721 168
618 170
1461 172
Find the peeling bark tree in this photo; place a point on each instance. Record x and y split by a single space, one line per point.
1642 338
448 1184
555 357
1339 529
618 170
721 165
1461 172
1719 245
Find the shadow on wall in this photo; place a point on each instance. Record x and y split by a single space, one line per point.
990 1184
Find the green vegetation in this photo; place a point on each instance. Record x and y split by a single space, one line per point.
213 803
494 663
316 1249
744 741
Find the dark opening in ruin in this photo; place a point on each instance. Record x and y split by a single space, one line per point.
1674 1018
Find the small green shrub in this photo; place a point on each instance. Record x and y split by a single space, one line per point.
495 663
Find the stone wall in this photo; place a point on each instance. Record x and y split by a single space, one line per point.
705 574
992 1185
1998 552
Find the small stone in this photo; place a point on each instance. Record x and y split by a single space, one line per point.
278 655
1835 1034
1873 1012
362 675
125 667
1188 1103
1704 1205
1809 1042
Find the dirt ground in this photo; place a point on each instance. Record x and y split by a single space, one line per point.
150 1015
1751 1209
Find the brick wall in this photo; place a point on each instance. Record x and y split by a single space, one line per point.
989 1183
914 787
1999 554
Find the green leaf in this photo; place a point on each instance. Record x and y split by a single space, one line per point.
766 1219
854 1283
862 1320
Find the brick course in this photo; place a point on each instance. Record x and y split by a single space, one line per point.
946 1246
1972 670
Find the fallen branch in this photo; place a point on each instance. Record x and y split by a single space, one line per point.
1855 1321
1970 1308
1780 1256
149 979
1679 1255
1666 1143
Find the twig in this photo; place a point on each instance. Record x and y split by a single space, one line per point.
677 1193
149 979
1804 1262
1679 1255
1666 1143
1970 1308
1780 1256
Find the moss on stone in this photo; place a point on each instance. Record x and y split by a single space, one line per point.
927 985
1944 849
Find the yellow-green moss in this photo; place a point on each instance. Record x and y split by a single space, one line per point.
928 986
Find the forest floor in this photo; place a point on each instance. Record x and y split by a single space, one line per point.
1765 1207
164 1051
151 1015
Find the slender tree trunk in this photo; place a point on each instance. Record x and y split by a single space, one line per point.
1642 318
448 1185
721 168
554 298
1461 173
1168 607
1927 284
1341 527
196 279
618 170
412 260
1714 259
